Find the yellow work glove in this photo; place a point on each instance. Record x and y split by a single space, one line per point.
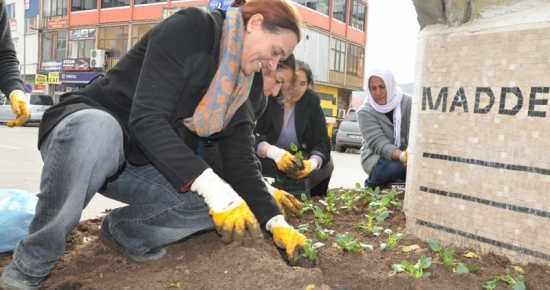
230 213
286 201
285 161
309 166
19 107
404 156
285 236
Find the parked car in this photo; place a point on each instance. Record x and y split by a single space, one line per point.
348 135
38 103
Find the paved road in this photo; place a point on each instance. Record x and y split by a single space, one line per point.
21 165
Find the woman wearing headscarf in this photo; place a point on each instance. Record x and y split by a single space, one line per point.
384 120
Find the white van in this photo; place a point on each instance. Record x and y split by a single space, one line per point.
38 103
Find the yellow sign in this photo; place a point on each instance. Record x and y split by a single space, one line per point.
53 78
40 79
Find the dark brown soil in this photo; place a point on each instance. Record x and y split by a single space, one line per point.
204 262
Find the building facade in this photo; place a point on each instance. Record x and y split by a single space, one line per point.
78 40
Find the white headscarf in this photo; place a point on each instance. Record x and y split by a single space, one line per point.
395 95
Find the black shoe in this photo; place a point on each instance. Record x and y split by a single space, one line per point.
13 279
151 255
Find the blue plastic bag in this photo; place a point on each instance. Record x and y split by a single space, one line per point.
16 213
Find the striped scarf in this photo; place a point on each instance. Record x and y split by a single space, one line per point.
229 88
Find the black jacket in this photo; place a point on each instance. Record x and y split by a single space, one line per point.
156 85
10 76
310 122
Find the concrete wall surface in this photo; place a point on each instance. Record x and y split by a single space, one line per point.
479 162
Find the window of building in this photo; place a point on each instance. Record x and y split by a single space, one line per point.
114 3
81 5
32 25
139 30
321 6
338 55
339 10
81 42
357 15
54 45
54 7
11 10
114 40
139 2
356 60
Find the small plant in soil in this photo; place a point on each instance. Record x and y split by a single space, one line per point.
302 228
349 243
391 240
323 217
448 259
330 201
348 197
309 251
307 204
369 226
385 201
518 283
322 233
416 270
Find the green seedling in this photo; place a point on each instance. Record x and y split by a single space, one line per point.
309 250
298 154
417 270
302 228
518 283
448 259
369 195
348 197
349 243
385 201
322 233
329 202
307 204
323 217
391 240
369 226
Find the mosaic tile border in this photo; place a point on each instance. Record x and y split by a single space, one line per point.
481 239
514 167
501 205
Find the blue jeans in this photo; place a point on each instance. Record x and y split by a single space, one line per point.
385 172
79 154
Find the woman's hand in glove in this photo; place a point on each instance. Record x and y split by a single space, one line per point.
285 161
230 213
309 166
19 108
286 201
285 236
404 156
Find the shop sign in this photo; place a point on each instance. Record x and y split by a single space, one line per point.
166 12
78 77
40 79
50 65
38 87
80 34
219 4
76 64
57 23
53 78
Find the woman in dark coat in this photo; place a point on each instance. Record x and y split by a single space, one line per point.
133 134
296 118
